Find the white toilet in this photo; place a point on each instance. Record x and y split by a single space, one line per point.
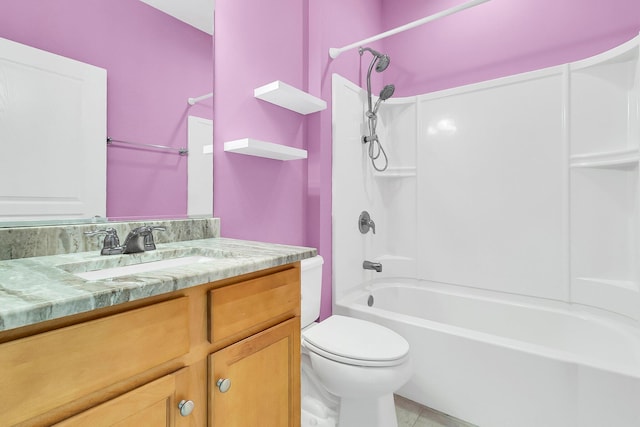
359 363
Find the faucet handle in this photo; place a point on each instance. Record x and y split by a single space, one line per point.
372 225
111 243
149 244
365 223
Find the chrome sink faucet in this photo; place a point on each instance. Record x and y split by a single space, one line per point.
111 244
140 239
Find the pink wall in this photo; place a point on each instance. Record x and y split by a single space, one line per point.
154 63
256 43
499 38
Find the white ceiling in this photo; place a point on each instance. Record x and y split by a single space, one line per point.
197 13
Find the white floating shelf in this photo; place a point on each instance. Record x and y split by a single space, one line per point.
269 150
605 159
399 172
289 97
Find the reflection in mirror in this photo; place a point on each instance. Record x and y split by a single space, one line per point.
154 63
52 120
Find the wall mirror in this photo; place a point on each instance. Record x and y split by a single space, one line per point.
155 63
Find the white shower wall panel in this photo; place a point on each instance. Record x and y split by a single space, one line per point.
397 128
492 185
395 241
604 120
614 189
604 105
395 201
357 186
352 191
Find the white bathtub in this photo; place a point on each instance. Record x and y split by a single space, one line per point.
499 360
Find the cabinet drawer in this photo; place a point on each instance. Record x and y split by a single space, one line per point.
53 368
245 308
150 405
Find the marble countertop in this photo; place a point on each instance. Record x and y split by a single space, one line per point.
42 288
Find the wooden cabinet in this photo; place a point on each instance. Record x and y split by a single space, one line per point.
261 373
132 364
50 369
263 368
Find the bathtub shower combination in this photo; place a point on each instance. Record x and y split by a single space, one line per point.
503 361
509 241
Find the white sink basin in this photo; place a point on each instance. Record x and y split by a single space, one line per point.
109 273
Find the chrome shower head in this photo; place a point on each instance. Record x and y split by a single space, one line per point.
383 63
385 93
381 60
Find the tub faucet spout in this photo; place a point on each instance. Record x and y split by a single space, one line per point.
368 265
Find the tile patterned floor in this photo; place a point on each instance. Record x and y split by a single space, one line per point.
412 414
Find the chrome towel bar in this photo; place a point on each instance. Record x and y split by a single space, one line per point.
182 150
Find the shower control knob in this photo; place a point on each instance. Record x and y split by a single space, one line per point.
224 384
186 407
365 223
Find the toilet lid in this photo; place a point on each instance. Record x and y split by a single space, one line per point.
356 342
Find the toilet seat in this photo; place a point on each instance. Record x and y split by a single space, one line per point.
356 342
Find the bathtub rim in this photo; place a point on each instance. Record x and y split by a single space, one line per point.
627 327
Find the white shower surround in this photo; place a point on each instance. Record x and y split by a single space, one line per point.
525 185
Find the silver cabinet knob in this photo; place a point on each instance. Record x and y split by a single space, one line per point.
186 407
224 384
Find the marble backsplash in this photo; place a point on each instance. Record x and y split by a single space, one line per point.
32 241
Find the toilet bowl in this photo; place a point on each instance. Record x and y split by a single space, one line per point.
359 362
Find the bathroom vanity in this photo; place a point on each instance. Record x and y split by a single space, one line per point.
210 343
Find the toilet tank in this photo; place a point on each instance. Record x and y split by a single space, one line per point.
311 289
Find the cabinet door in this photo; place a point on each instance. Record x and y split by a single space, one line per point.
149 405
55 368
264 376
